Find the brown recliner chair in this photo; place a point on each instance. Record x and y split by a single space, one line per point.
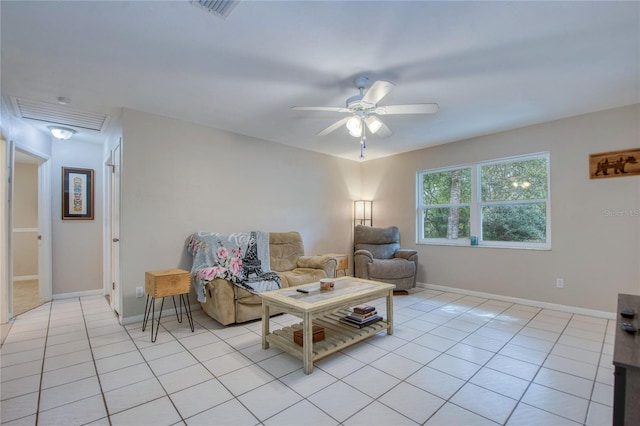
378 257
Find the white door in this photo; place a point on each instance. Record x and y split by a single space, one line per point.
43 232
5 289
115 229
26 239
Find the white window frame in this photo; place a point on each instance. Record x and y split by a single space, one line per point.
422 208
476 206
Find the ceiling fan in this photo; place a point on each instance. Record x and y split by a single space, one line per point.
364 111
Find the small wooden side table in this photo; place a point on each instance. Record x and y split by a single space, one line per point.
163 283
343 264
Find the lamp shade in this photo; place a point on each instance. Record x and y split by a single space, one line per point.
374 124
363 212
62 133
354 124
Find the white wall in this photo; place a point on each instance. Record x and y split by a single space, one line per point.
595 253
179 178
77 244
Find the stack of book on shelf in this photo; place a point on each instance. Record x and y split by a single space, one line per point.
361 315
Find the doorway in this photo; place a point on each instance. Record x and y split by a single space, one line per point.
18 154
113 164
25 234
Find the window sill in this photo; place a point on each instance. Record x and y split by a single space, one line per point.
490 246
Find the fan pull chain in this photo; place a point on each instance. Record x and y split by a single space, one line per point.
363 139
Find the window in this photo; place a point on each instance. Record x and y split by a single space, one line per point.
447 204
505 203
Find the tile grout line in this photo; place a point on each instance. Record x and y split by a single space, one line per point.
5 333
44 357
507 342
595 380
448 400
278 379
539 368
539 315
166 393
93 359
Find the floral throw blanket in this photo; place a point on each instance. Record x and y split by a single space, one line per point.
241 258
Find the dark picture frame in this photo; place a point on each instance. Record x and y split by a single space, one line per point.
77 193
614 164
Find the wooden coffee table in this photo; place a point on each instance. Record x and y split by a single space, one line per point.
324 308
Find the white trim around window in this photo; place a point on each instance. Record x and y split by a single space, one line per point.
476 206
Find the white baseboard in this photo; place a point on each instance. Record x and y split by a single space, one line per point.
536 303
78 294
25 278
165 313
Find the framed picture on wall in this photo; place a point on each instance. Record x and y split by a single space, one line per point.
77 194
614 164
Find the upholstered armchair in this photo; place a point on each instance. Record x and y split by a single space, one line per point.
378 257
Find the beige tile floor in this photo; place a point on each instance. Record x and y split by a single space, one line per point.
26 296
453 360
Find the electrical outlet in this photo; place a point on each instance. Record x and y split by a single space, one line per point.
560 282
139 292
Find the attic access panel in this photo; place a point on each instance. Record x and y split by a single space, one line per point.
59 114
221 8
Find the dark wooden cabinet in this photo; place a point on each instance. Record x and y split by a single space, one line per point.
626 360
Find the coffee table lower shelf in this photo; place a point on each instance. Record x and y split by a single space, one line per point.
337 335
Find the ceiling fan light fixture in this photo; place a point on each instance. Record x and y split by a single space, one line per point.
354 124
62 133
374 124
362 111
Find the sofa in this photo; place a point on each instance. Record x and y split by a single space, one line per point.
228 303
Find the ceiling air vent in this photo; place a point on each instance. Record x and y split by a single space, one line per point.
59 114
221 8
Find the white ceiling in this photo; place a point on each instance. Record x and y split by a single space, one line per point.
491 66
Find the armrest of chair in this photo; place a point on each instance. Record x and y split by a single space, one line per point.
407 254
363 255
327 263
361 261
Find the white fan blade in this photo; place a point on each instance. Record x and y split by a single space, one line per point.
333 127
407 109
377 127
320 108
377 91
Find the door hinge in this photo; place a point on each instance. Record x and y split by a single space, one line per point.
113 286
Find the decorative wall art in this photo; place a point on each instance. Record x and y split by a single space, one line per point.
77 194
615 164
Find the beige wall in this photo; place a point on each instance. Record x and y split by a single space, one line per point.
25 222
25 254
77 244
25 206
179 178
597 254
